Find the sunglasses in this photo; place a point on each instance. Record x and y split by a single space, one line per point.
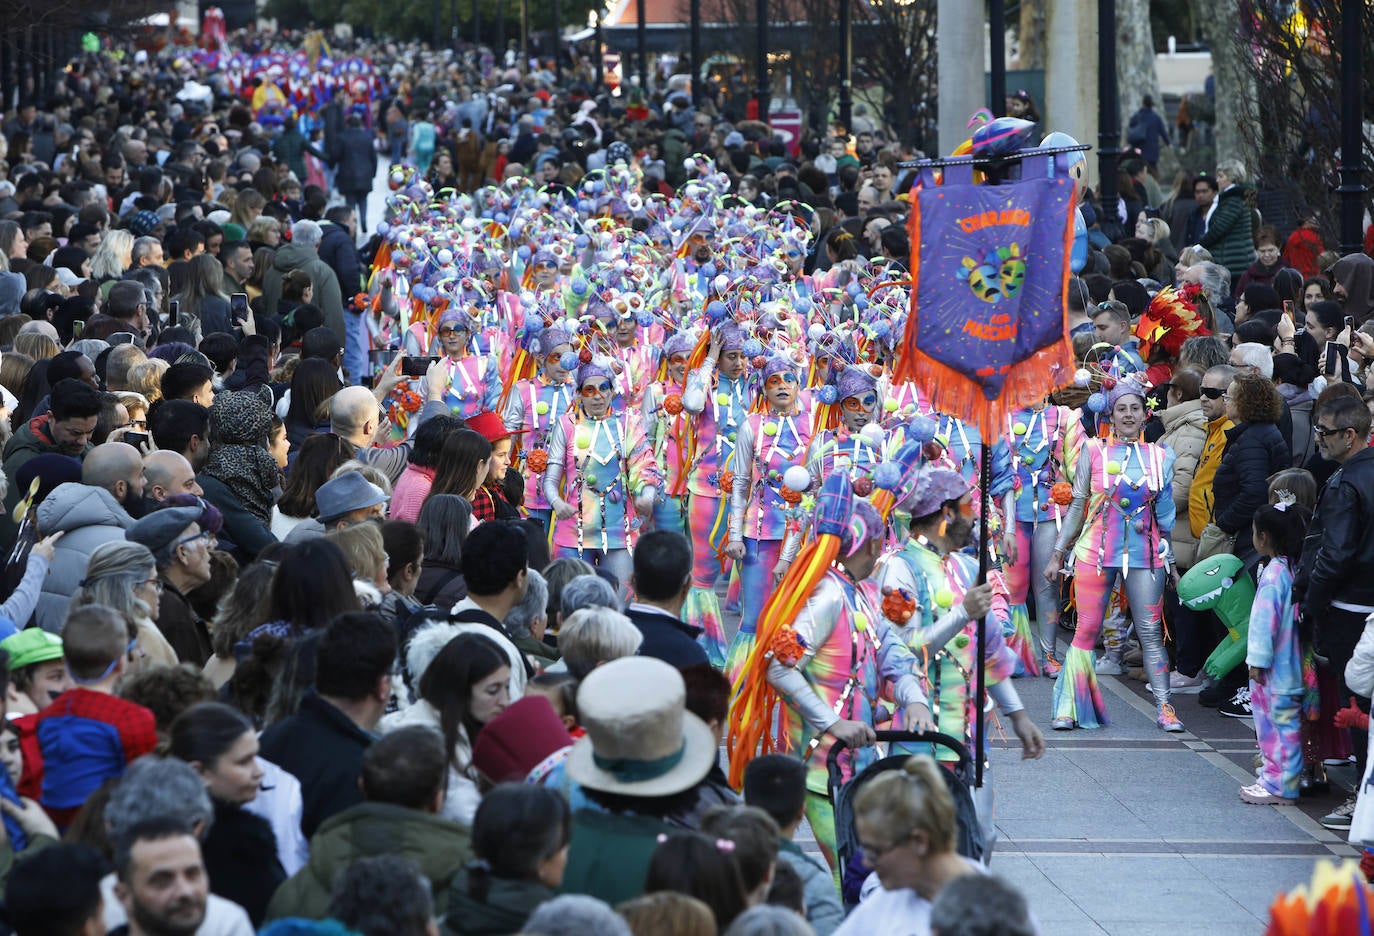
601 389
777 380
1213 393
861 404
1323 431
447 332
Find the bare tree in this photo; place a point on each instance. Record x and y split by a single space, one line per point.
1031 31
1290 60
1135 58
899 54
1236 101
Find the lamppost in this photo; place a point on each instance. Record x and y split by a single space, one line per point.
1352 186
695 42
997 49
846 66
642 41
1108 129
761 68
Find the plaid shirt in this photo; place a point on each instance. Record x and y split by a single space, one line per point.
87 737
489 503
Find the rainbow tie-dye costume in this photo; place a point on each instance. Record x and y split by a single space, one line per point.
474 385
534 408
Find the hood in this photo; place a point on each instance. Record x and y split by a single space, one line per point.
1187 413
71 506
1355 273
292 257
438 846
507 907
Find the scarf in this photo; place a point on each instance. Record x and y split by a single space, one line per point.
239 424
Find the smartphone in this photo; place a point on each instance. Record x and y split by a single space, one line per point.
238 308
1335 351
174 311
137 439
1288 308
78 327
1350 322
416 366
122 338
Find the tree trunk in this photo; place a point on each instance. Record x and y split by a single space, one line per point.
1135 60
1031 47
1235 87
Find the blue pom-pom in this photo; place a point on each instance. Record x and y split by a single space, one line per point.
921 429
524 252
802 305
534 324
708 270
568 361
828 394
581 241
716 310
579 287
502 218
644 318
861 302
853 289
598 186
753 348
882 329
887 476
383 228
1097 402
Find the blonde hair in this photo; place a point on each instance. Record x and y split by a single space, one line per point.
36 345
913 799
146 379
1159 230
113 256
260 227
1193 255
362 547
668 913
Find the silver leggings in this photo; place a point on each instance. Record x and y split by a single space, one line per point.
1144 593
1046 592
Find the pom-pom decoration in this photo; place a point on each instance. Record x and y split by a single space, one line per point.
787 647
727 481
672 404
1062 493
827 394
898 605
797 478
537 460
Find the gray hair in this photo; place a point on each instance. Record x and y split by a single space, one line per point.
770 920
587 591
574 915
1253 354
594 636
114 571
306 233
91 347
1215 281
155 787
1234 169
1205 351
372 473
531 608
973 904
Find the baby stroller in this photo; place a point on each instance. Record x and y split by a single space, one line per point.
969 842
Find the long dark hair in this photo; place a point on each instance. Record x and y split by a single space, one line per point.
204 733
312 385
517 827
312 586
1285 526
319 455
697 866
443 522
447 684
461 456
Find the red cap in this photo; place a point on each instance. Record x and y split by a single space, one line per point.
519 739
489 425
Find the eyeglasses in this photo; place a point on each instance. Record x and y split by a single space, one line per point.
447 332
601 389
875 853
206 535
1226 398
141 424
777 380
155 583
1212 393
1323 431
861 404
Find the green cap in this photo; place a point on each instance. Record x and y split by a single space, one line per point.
31 646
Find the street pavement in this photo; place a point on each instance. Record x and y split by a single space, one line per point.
1130 831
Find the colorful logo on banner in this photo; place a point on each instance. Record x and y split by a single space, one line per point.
989 268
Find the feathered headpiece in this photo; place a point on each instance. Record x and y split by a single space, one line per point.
1168 321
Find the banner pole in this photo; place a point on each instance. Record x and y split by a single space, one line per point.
981 689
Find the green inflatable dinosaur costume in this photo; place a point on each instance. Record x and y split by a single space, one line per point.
1221 584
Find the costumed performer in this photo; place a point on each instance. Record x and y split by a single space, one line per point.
535 405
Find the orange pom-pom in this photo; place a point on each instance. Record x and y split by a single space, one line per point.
1062 493
898 606
672 404
791 496
727 481
537 460
786 647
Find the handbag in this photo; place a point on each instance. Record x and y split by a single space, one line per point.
1214 541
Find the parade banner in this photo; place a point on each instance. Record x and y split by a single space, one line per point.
987 332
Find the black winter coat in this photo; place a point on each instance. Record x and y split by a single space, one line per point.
341 254
1253 452
357 162
1339 550
241 859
